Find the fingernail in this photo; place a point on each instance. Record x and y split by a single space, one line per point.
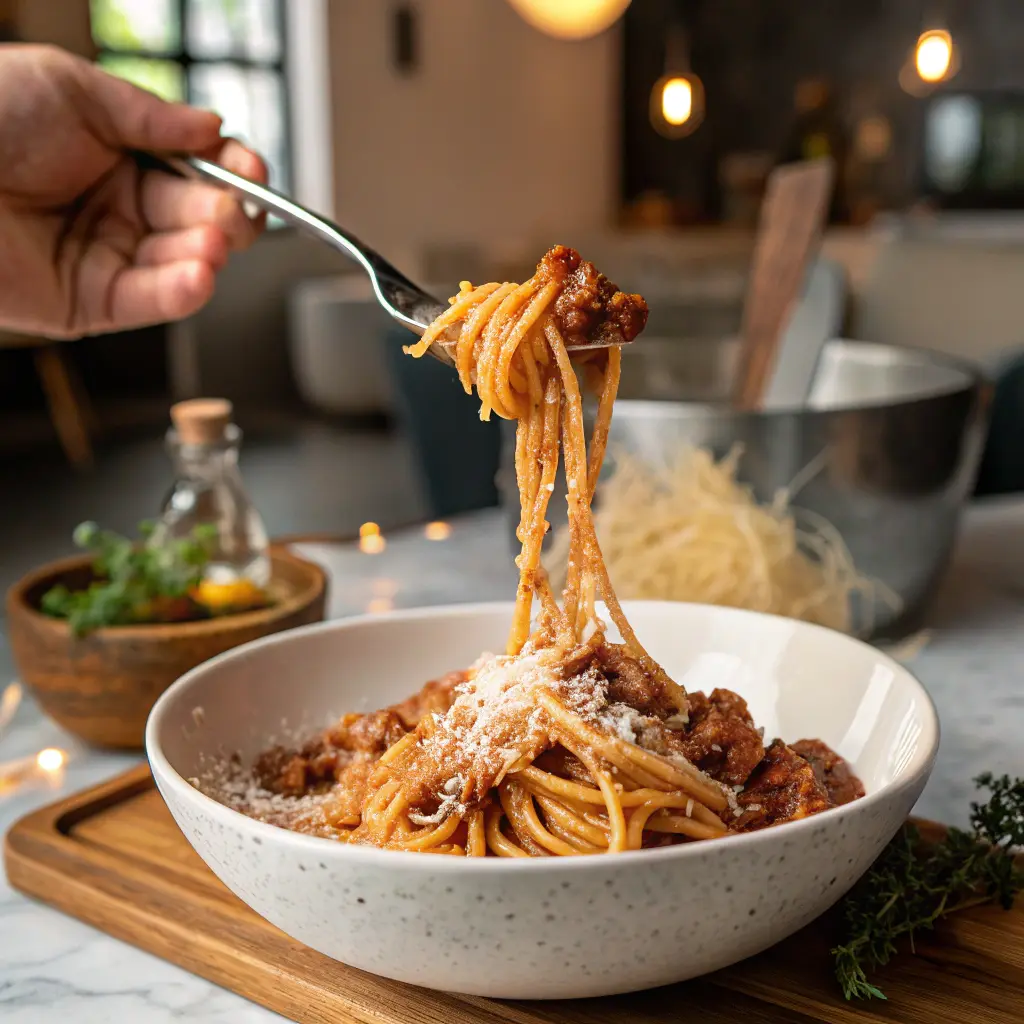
250 209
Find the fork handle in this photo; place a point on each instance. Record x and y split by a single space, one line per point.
417 310
263 196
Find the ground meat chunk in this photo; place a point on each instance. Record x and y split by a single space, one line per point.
629 683
782 788
283 771
366 734
831 771
590 307
437 695
326 758
721 738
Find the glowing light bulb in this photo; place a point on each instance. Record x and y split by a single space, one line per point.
676 101
372 544
437 531
50 760
933 56
369 530
677 105
570 19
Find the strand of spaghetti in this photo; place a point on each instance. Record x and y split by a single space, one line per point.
545 781
398 748
490 348
646 797
510 344
613 805
573 438
393 814
469 336
526 448
602 425
378 802
557 812
588 812
626 755
535 523
528 468
460 306
497 842
635 828
618 839
575 473
579 845
476 842
519 828
679 824
526 819
679 774
430 837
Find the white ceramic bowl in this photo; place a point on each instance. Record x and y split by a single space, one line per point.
554 927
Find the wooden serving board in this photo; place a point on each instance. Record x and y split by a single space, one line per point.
113 857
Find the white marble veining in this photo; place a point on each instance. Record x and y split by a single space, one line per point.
54 969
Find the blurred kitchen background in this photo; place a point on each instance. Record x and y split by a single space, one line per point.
463 137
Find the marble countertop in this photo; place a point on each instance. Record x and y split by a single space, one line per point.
54 969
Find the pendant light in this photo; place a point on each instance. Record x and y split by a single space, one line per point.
934 59
677 99
570 19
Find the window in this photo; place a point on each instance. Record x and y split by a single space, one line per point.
222 55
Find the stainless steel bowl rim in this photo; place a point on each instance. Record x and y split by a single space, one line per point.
973 379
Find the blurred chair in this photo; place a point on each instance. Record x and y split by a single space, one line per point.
336 344
69 407
458 454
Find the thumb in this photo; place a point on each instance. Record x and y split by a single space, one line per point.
127 117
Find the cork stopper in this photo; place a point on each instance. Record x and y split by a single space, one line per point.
201 420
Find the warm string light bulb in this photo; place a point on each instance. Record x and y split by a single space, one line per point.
677 99
933 55
50 760
570 19
47 766
934 59
371 542
677 105
437 531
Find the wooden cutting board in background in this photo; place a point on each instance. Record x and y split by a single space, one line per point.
113 857
789 230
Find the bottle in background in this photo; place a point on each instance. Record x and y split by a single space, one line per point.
203 444
818 130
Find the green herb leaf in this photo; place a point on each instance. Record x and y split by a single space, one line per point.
133 580
914 884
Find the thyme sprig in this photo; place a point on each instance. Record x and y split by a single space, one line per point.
915 883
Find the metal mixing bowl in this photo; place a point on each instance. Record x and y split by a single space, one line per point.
898 433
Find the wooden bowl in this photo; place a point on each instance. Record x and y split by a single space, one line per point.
102 686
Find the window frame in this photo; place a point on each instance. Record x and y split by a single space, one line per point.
184 59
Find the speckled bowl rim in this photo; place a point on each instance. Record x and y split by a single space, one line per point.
317 847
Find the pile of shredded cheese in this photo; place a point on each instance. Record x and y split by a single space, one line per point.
692 532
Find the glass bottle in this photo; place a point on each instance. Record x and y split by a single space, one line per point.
203 444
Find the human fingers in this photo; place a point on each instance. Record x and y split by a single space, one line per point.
169 203
150 295
127 117
205 242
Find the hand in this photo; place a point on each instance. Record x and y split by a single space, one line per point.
88 242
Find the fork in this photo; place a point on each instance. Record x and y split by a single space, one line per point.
403 300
